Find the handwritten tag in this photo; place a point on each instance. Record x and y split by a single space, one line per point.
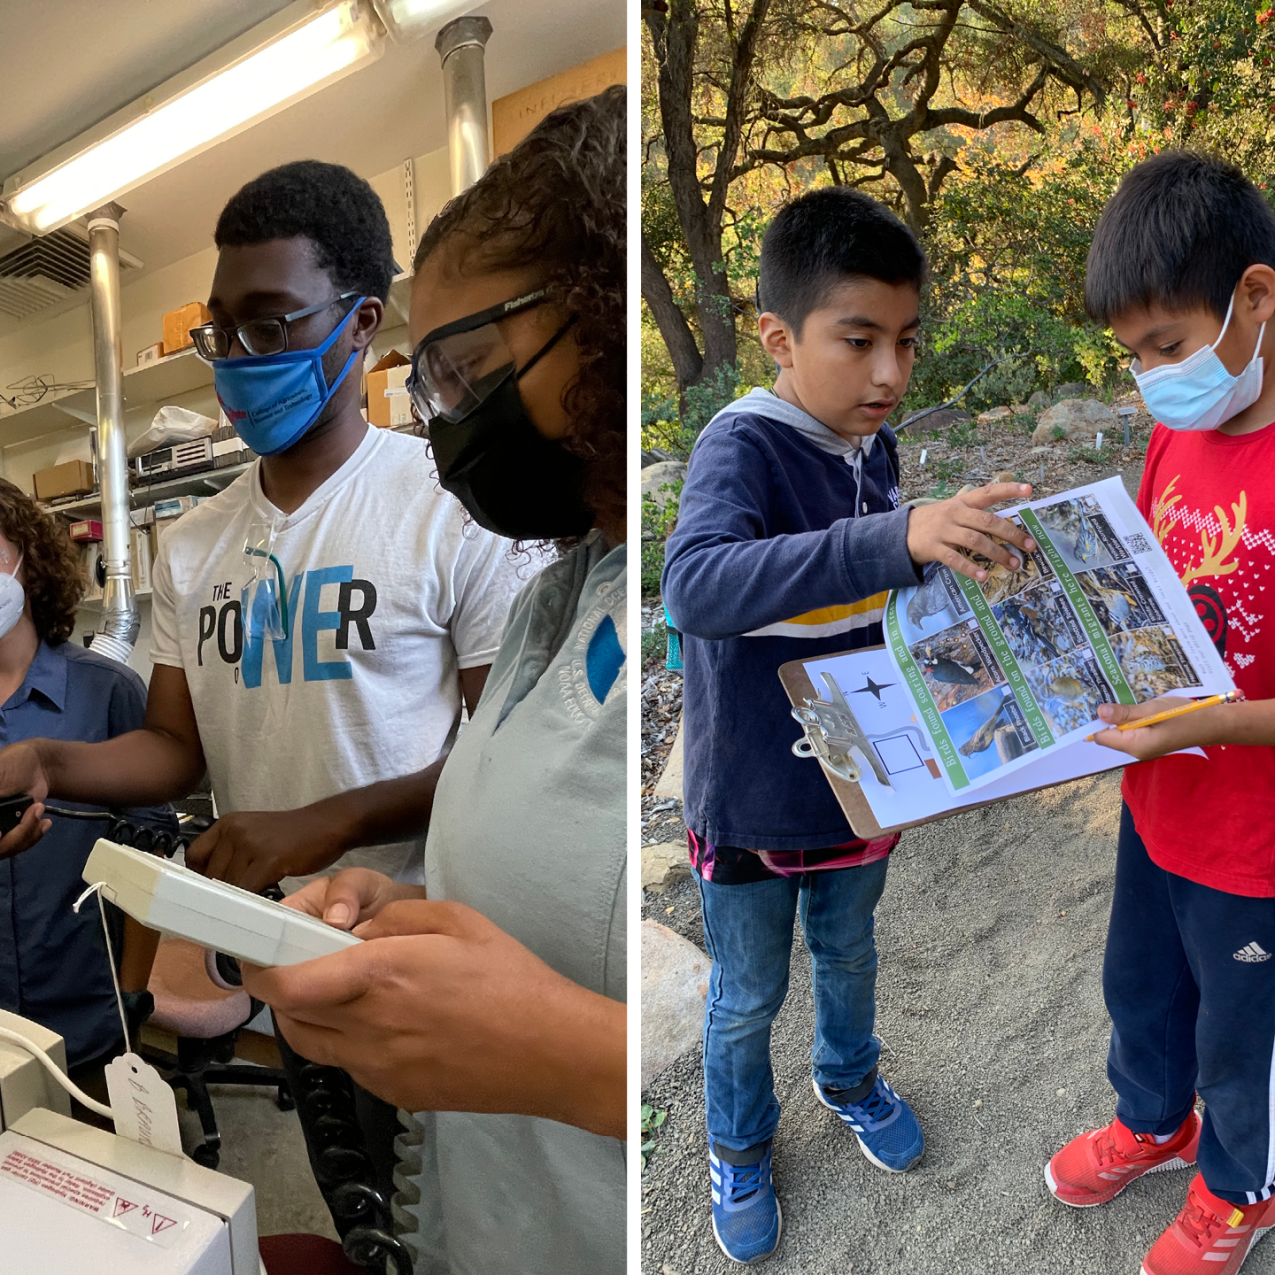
144 1107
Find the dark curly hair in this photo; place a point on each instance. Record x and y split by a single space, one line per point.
557 201
329 205
51 571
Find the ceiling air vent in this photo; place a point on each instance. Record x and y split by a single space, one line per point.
45 271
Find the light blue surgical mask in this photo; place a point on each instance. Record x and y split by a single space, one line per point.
273 399
1199 393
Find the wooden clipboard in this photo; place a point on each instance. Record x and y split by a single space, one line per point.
850 798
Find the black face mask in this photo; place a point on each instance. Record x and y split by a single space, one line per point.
511 478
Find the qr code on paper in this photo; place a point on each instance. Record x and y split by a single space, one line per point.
1138 543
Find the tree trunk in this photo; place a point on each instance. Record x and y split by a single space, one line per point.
674 38
688 363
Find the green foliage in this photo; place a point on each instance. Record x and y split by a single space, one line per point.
654 640
663 425
946 470
651 1121
657 526
1090 456
1007 249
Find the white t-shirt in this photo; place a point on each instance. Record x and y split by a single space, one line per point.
389 592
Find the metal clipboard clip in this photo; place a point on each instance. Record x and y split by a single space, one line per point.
831 731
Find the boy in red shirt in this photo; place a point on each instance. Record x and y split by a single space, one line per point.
1182 269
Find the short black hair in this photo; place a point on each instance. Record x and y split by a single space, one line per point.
823 238
1179 232
329 205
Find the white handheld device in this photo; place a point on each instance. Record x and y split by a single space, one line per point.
177 901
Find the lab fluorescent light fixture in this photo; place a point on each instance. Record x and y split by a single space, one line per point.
408 19
278 62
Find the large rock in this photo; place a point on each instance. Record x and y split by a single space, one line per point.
994 414
1037 401
1078 418
663 864
655 478
1072 389
674 990
939 419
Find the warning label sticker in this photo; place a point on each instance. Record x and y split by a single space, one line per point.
139 1214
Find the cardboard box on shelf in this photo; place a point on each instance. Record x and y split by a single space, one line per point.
516 114
387 401
151 354
73 478
158 529
86 531
175 506
178 323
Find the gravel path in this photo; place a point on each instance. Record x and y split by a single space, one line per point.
989 1002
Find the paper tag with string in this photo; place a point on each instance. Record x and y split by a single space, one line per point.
142 1104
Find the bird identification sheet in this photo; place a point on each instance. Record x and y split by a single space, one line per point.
1003 673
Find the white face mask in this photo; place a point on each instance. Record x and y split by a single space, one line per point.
1199 393
13 598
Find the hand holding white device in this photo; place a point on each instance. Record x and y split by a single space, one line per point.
177 901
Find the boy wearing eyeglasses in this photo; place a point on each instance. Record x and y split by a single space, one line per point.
318 624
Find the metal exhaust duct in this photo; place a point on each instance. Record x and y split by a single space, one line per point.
118 631
461 45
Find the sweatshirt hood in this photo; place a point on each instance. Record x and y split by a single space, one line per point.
764 402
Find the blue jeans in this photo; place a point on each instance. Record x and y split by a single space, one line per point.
748 931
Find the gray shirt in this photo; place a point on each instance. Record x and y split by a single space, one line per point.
529 829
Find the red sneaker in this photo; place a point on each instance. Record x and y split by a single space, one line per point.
1209 1236
1097 1166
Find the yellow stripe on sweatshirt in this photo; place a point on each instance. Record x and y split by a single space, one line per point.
827 621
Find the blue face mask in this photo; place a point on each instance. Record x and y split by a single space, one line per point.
273 399
1199 393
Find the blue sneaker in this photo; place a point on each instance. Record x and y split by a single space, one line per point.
888 1131
746 1216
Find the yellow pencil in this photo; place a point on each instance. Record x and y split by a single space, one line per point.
1229 697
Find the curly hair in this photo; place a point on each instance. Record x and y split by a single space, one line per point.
327 204
557 201
51 571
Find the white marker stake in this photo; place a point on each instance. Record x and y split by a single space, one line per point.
1098 444
925 451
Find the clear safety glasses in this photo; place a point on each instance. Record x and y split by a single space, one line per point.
458 365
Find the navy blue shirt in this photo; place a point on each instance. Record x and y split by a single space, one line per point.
782 551
53 963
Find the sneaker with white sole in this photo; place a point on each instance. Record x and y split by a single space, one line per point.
1210 1236
888 1131
746 1214
1097 1166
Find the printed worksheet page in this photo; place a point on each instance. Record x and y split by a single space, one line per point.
1006 671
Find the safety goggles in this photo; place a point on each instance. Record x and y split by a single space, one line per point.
257 336
458 365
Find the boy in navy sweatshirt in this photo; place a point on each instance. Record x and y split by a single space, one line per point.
788 536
